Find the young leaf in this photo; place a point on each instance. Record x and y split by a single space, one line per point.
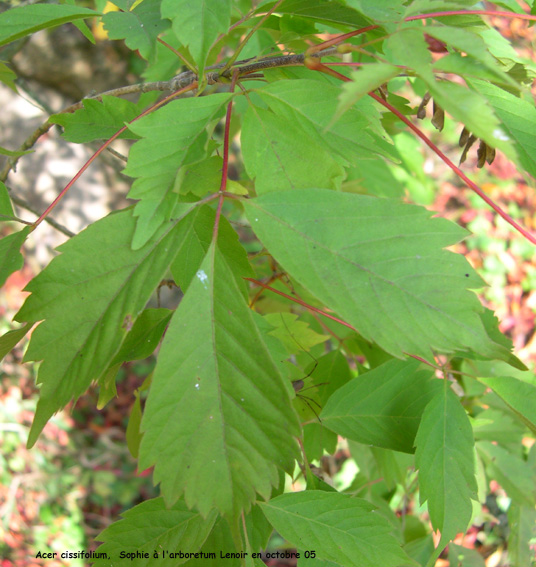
90 296
198 24
97 120
382 407
172 137
25 20
153 527
218 407
11 259
139 26
346 530
445 458
380 265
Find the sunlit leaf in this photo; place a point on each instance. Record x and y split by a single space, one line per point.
380 265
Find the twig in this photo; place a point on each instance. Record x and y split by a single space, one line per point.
180 81
23 204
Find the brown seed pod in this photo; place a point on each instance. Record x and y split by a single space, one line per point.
438 119
421 112
470 142
464 136
481 154
490 154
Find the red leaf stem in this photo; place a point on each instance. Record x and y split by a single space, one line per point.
321 67
103 147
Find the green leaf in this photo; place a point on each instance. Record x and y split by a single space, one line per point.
367 79
139 27
145 335
97 120
151 527
11 259
173 136
382 407
465 557
311 104
518 120
7 76
15 153
513 473
445 459
519 396
218 407
6 208
522 524
25 20
90 295
9 340
279 154
346 530
380 265
333 13
380 11
198 24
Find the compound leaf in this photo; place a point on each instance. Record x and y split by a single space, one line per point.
152 527
340 528
218 407
90 296
380 265
382 407
445 458
172 137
